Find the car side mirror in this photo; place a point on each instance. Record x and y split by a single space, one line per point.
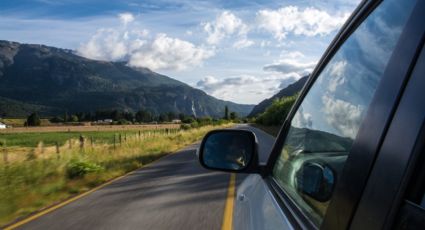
230 150
315 180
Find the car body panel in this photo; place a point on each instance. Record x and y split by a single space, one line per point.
256 207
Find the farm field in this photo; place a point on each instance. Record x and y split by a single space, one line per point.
81 128
32 178
48 136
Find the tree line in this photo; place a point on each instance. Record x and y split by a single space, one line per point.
126 117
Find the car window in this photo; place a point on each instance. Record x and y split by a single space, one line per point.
326 123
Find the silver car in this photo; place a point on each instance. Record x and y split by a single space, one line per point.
350 154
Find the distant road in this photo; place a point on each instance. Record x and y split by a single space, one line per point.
172 193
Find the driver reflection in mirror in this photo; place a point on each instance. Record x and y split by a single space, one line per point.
227 151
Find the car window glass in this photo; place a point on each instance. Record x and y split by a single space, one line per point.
326 123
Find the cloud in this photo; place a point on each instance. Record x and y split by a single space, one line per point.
161 52
244 88
342 115
243 43
105 44
292 62
168 53
224 25
290 19
126 18
337 71
302 119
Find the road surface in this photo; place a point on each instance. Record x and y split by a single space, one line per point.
172 193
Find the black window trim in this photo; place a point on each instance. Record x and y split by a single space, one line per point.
359 15
387 204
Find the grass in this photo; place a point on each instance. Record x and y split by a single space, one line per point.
50 138
19 122
42 178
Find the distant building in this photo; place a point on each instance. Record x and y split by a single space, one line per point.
176 121
107 120
2 126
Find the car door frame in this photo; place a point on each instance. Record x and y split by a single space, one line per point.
372 131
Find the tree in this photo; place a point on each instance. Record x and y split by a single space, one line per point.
33 120
226 113
143 116
233 116
73 118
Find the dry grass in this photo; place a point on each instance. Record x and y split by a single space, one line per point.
32 180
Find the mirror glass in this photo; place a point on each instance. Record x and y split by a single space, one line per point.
316 181
228 149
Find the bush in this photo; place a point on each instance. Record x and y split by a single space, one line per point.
185 126
79 168
277 112
33 120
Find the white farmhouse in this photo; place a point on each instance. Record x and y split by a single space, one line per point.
2 126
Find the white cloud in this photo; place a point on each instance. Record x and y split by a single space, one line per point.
308 22
342 115
243 43
135 46
244 88
126 18
337 71
105 44
292 62
302 119
168 53
224 25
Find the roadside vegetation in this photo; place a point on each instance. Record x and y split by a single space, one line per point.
32 178
273 117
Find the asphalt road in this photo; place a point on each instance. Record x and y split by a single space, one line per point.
172 193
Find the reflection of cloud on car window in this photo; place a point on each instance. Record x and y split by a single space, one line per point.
302 119
342 115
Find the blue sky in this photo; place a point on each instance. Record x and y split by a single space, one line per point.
243 51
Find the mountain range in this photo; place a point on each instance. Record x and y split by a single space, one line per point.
51 81
290 90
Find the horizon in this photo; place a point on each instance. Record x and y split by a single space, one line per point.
239 52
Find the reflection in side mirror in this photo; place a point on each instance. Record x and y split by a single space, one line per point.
228 150
315 180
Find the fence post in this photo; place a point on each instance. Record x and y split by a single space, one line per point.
120 139
125 137
91 142
57 150
81 142
115 145
5 154
42 147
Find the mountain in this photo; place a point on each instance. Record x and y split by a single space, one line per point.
51 81
290 90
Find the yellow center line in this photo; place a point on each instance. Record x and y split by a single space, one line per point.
54 207
228 209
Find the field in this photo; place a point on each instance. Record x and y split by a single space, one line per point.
33 136
19 122
35 177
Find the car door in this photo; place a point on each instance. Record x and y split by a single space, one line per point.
321 160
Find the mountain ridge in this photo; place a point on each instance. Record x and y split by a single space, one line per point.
57 80
290 90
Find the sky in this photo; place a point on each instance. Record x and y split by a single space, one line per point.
242 51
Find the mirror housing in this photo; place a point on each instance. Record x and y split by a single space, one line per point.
229 150
315 180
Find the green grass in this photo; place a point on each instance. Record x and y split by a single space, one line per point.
50 138
29 184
